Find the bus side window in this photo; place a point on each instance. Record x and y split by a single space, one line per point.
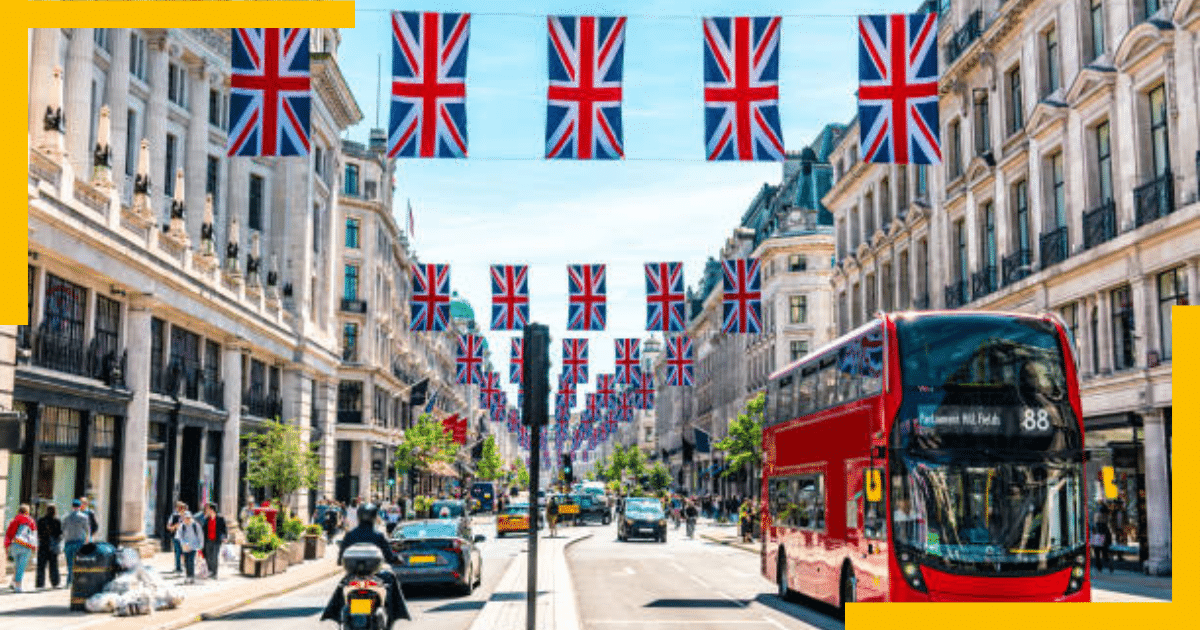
783 392
808 390
829 385
872 364
819 503
873 521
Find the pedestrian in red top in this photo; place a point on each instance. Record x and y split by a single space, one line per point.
214 534
20 539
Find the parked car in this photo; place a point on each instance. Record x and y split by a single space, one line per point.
642 517
438 551
514 519
591 508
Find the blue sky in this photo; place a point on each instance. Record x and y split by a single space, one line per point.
505 204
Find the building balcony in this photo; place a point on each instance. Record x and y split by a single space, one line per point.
214 392
349 416
59 351
1100 224
1016 266
1154 199
964 36
983 282
956 294
1053 246
354 306
263 405
350 354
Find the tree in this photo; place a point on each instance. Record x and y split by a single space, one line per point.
522 474
489 462
590 475
279 461
659 477
635 463
424 443
743 446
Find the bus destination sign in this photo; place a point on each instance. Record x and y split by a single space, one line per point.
933 419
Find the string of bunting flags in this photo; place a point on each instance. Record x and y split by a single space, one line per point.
271 95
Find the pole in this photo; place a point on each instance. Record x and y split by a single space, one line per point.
535 436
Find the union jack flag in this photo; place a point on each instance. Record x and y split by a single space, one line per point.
489 391
431 297
592 406
510 297
583 113
645 391
562 412
469 359
625 407
270 94
575 360
898 89
664 296
514 420
429 85
680 362
567 387
586 291
517 360
607 395
742 301
629 358
741 88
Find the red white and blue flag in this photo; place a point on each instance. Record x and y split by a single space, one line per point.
429 85
645 391
431 297
566 387
606 392
625 407
562 412
741 88
510 297
628 360
575 360
680 362
664 297
489 391
469 359
583 113
898 89
742 300
270 92
586 297
516 361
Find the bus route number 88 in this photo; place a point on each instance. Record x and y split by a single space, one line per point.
1035 420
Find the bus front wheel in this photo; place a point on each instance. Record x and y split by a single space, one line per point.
849 588
781 580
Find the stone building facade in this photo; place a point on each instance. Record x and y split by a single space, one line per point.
1068 185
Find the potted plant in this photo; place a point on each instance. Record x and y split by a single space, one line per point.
314 542
259 552
422 505
291 530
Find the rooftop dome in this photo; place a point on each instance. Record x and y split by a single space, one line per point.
460 308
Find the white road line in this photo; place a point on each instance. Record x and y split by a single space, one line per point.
630 570
636 622
678 567
774 622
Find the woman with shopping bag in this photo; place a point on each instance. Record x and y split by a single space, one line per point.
190 540
20 540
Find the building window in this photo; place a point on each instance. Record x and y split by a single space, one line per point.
868 216
1172 291
169 177
798 309
177 84
922 181
1159 144
799 348
855 232
955 153
369 188
871 300
923 271
157 353
1070 315
885 203
983 127
887 287
843 313
1150 7
856 306
103 38
352 233
351 186
350 342
108 327
1050 41
797 262
350 286
131 143
989 242
214 108
1096 16
905 293
1094 326
316 228
137 56
1058 199
212 180
350 396
841 239
1104 163
256 202
185 361
1021 216
212 364
65 306
1016 103
1123 328
901 189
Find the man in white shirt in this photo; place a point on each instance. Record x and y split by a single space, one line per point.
352 515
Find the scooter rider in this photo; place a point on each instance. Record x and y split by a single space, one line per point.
691 513
365 532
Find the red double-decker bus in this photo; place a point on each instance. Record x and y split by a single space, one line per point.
934 456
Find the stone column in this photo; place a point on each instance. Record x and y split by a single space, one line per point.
196 164
1158 493
231 452
1124 150
1105 336
118 106
156 119
364 467
77 100
1143 326
296 410
1183 112
137 424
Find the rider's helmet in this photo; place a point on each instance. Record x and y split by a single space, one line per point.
367 513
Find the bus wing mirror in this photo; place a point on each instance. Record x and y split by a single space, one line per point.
1110 487
873 483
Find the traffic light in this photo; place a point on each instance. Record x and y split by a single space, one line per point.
535 375
568 473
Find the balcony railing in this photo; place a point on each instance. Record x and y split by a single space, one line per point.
59 351
350 354
354 306
1100 225
214 392
1154 199
349 417
964 36
956 294
1016 266
263 405
983 282
1053 246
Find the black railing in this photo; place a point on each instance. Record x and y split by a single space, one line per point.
1016 266
1154 199
24 338
349 417
263 405
59 351
921 302
1053 246
106 363
965 36
1100 225
214 392
983 282
160 379
956 294
350 354
354 306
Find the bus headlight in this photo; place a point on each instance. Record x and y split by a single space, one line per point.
912 575
1078 572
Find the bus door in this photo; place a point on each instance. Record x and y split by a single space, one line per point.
866 528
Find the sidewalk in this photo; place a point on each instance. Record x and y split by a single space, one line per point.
556 608
725 534
204 599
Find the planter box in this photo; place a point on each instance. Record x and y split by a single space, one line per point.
314 547
295 551
281 559
257 567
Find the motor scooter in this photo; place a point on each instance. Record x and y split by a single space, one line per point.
364 589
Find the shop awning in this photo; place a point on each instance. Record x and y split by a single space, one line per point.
442 469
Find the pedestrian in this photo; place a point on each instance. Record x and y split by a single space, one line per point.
21 542
191 539
552 516
215 533
76 532
352 514
744 520
244 515
49 530
173 523
1102 539
690 513
93 524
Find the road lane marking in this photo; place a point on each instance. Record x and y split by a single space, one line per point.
774 622
635 622
630 570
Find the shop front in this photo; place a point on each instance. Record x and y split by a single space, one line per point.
1116 473
183 461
